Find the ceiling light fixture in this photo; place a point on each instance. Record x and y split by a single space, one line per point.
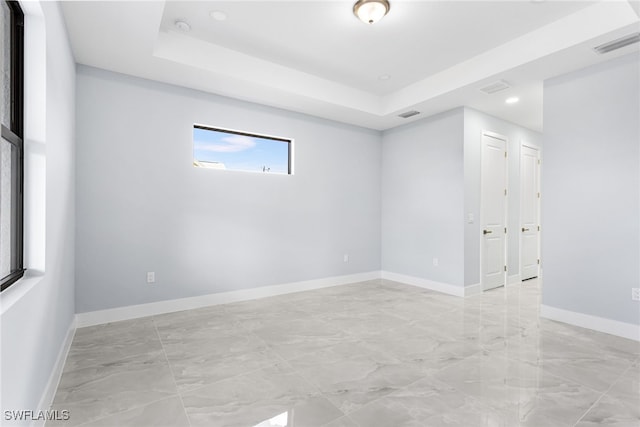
218 15
371 11
512 100
384 77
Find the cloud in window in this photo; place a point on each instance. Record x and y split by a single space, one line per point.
228 144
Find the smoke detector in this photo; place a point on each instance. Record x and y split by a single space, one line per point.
182 26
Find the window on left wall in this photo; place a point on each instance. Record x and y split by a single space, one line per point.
11 143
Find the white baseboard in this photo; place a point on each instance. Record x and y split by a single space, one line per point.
514 279
472 290
600 324
445 288
143 310
54 379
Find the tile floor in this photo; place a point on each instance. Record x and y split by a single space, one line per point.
369 354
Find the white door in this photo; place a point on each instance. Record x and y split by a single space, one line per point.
530 211
493 198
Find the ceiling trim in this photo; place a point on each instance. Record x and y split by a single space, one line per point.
140 48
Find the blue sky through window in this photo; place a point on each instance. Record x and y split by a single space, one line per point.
240 152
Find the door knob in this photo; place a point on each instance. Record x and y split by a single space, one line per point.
487 231
524 229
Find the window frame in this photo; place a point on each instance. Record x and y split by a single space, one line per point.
14 136
289 142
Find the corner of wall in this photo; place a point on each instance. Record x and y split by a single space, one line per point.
34 346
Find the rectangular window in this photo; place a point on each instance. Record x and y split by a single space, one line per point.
11 143
240 151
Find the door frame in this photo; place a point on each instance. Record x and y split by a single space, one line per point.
506 204
520 219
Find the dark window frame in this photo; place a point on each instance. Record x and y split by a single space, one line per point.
14 135
289 142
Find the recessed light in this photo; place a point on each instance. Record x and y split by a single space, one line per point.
218 15
512 100
384 77
183 26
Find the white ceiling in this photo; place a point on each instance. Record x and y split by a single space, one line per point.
315 57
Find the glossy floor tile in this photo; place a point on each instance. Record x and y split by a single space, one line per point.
368 354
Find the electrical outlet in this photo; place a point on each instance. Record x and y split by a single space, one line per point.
151 277
435 262
635 294
346 258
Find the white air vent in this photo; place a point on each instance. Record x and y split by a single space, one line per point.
408 114
618 43
495 87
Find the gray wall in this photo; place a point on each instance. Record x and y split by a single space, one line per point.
142 206
37 312
422 198
591 190
475 122
431 182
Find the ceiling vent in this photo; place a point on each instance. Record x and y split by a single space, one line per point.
495 87
408 114
618 43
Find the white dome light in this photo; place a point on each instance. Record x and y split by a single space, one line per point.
371 11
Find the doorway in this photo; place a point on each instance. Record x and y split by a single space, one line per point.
529 211
493 210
